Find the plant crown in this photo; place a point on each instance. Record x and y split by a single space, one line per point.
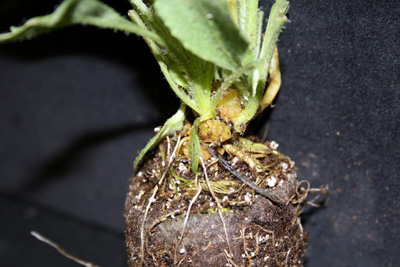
203 47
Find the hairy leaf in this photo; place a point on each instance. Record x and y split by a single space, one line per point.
276 21
71 12
248 22
169 69
172 125
206 28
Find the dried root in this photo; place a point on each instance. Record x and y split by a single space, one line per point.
228 190
62 251
230 255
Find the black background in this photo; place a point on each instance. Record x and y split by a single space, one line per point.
77 105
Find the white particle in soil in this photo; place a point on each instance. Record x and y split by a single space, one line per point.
182 167
211 204
139 196
247 197
284 165
235 160
182 250
266 258
252 254
274 145
271 181
243 256
163 164
140 174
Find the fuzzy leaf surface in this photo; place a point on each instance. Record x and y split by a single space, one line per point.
276 21
72 12
206 28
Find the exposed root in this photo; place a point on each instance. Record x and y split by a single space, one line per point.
142 232
219 209
287 257
299 199
246 249
181 261
273 242
185 221
61 250
163 218
220 187
229 258
302 193
152 199
171 189
256 188
169 146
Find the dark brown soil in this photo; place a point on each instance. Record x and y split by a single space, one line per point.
257 232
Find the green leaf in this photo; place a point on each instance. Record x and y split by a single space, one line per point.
248 113
248 22
276 21
194 147
169 69
206 28
71 12
172 125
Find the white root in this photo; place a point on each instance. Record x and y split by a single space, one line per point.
185 221
142 237
61 250
152 199
219 208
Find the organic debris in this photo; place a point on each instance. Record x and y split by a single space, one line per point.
177 218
